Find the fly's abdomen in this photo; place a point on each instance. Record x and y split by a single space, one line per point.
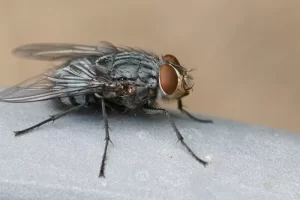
79 100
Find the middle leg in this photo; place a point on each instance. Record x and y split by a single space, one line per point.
107 139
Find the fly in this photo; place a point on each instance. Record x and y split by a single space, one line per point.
104 76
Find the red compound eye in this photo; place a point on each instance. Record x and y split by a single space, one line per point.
168 79
171 58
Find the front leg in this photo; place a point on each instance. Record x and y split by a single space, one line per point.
180 107
152 110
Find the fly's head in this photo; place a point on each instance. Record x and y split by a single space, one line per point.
174 80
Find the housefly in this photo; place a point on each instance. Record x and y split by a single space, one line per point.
104 76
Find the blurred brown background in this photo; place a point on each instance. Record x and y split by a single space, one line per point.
247 53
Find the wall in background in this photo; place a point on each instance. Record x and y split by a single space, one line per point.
247 53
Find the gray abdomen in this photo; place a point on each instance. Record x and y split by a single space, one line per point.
79 100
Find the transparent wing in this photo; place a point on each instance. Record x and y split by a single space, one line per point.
62 51
78 79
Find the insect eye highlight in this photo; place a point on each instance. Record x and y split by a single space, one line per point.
171 58
168 79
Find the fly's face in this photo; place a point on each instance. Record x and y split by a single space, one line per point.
174 80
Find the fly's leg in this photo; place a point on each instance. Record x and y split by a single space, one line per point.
151 110
107 139
52 118
180 107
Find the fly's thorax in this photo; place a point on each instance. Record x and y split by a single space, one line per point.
174 80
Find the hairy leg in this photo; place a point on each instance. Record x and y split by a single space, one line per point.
107 139
51 118
151 110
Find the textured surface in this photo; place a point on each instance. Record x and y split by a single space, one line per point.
62 160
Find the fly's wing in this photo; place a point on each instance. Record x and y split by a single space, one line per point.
62 51
46 86
81 77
